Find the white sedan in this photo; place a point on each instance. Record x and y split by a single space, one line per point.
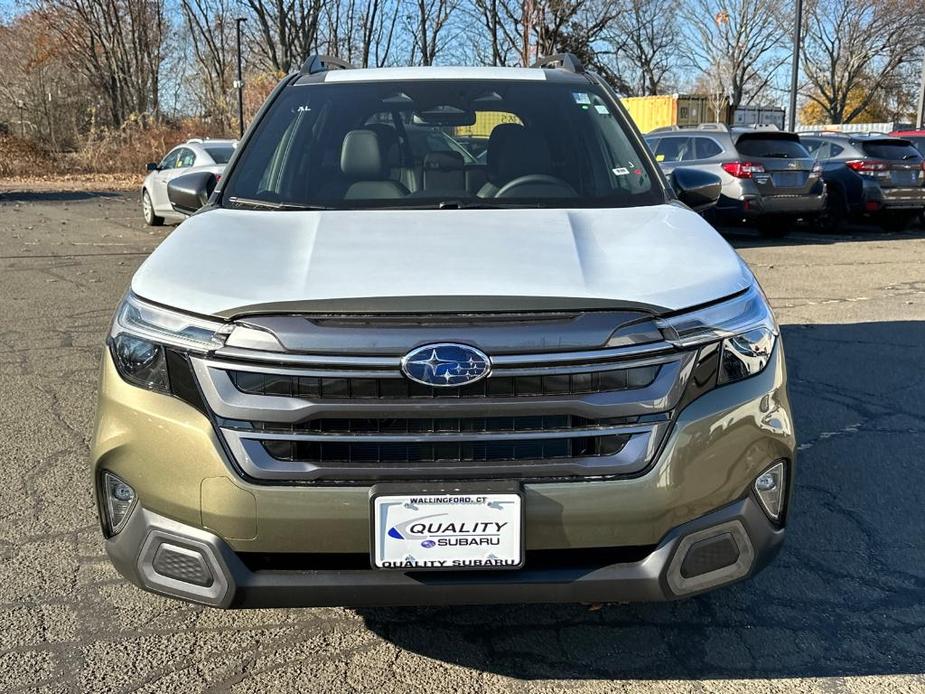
192 155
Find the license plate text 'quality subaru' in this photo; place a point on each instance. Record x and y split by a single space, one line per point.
447 531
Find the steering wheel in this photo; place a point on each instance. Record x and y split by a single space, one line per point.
537 180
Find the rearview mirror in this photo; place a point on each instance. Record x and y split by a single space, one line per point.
697 189
151 166
191 191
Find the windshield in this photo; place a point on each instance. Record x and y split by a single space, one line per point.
436 143
772 148
220 153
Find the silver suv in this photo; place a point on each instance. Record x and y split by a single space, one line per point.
768 177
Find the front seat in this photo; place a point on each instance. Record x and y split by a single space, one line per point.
397 169
514 151
361 162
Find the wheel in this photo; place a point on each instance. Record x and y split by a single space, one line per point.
897 221
836 212
147 208
774 227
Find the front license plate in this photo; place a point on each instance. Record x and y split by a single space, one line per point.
447 531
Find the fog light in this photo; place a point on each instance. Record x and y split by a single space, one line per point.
770 486
120 498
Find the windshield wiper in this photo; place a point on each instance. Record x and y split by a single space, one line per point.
253 204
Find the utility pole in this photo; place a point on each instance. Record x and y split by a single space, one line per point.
22 124
920 115
239 83
795 66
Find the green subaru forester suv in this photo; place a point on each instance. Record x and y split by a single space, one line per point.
442 336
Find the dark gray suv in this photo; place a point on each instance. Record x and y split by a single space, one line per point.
768 177
875 175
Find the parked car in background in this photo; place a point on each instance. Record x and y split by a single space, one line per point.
871 175
769 179
193 155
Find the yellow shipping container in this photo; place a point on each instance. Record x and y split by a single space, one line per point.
652 112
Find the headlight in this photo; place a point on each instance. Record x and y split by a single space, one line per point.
145 339
744 325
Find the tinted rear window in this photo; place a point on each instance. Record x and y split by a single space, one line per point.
220 153
886 149
771 148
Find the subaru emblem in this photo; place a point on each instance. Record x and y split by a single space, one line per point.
445 365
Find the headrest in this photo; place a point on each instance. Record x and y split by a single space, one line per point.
388 143
515 151
361 156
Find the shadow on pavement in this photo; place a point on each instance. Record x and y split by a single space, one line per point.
55 195
749 237
845 597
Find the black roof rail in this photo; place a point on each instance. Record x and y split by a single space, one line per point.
565 61
322 63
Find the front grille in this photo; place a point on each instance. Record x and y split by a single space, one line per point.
314 387
301 418
324 452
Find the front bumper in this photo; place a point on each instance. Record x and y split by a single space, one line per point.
657 577
169 453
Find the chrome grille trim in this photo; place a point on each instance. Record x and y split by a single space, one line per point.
226 401
498 360
448 436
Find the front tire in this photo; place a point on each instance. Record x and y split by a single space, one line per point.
147 209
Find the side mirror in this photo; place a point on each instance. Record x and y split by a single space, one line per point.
191 191
152 166
697 189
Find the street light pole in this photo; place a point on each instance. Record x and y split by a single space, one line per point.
239 83
920 116
795 66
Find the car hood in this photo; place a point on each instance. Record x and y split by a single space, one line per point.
229 263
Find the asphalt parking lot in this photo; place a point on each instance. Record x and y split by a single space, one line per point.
841 610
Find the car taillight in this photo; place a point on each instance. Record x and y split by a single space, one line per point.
742 169
817 169
867 165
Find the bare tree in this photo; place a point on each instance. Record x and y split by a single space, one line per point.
427 25
741 39
211 27
117 45
645 36
857 46
287 31
361 31
520 31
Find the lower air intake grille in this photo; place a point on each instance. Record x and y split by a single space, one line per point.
320 452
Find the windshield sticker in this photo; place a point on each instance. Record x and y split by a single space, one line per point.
581 98
600 108
621 171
